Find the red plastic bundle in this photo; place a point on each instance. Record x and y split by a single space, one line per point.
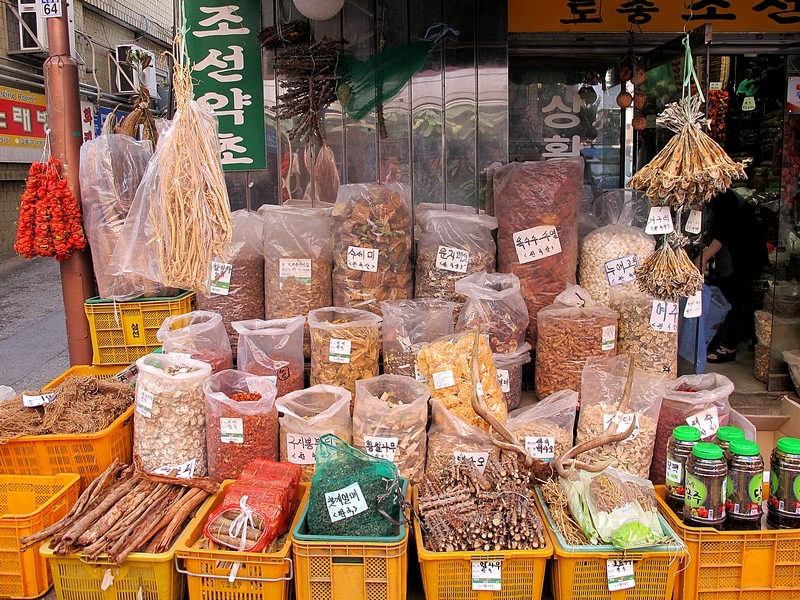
257 508
49 215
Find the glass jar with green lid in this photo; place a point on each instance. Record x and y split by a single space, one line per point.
706 487
724 436
745 481
679 447
783 508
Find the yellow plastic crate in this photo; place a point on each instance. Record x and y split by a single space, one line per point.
331 568
448 575
29 504
581 572
736 565
261 576
124 331
87 454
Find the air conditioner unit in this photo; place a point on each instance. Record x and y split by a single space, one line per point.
148 76
31 28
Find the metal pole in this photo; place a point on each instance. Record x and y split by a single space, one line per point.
61 85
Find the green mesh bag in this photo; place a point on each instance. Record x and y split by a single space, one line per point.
352 493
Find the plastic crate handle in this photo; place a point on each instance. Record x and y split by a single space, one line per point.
289 577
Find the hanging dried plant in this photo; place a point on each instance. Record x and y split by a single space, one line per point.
669 274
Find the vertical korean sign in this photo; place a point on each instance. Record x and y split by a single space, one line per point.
222 45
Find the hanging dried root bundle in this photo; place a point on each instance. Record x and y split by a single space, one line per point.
124 511
284 34
691 168
308 76
668 274
141 117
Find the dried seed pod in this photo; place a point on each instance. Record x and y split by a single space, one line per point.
639 123
624 100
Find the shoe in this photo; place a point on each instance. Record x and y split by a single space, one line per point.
721 355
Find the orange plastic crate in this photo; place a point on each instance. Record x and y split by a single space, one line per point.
736 565
86 454
29 504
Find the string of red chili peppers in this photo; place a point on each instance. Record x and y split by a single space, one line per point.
49 215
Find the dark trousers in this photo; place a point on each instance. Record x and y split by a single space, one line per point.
739 293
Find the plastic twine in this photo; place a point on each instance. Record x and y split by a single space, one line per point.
689 76
238 528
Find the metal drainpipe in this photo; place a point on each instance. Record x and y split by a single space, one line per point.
61 84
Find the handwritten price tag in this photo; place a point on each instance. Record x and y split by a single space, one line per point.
345 503
443 379
694 224
301 449
452 259
694 306
659 221
487 575
537 243
478 458
231 430
381 447
706 421
297 268
543 448
221 278
504 380
362 259
32 401
620 575
621 270
144 402
339 351
623 421
664 316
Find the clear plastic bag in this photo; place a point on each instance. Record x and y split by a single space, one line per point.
571 330
546 427
201 335
603 385
407 324
447 365
112 165
273 349
169 420
495 305
371 246
509 373
451 438
297 260
239 294
305 416
389 421
345 346
450 245
238 428
537 205
690 400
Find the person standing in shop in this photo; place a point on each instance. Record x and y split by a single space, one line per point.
737 246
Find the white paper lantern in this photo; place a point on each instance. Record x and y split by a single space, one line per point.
319 10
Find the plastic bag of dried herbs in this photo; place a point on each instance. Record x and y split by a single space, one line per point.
407 324
305 416
237 286
273 349
450 245
200 334
345 346
389 421
241 422
509 373
371 245
352 493
451 438
546 428
495 304
571 330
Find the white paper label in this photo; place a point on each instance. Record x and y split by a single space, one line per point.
706 421
620 575
231 430
623 421
443 379
221 277
419 375
674 474
694 224
480 459
543 448
144 402
299 268
694 305
452 259
749 104
715 85
108 580
621 270
339 351
301 449
184 471
664 316
362 259
659 221
609 337
381 447
33 400
537 243
345 503
504 380
487 575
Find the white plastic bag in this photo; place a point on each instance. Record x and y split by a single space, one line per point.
201 335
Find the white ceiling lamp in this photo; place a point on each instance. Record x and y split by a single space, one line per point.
319 10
